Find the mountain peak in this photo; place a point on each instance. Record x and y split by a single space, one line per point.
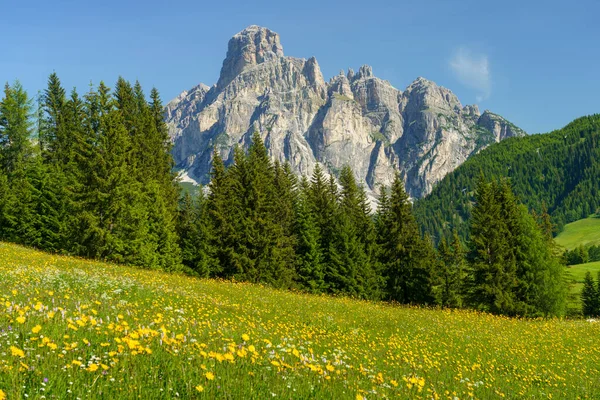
354 119
254 45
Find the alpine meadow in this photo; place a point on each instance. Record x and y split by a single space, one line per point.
277 235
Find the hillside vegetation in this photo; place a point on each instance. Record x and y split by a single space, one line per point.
560 169
71 328
584 232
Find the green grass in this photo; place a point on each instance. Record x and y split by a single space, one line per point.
188 187
71 328
582 232
576 274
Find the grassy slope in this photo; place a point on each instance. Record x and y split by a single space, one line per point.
577 273
582 232
187 187
100 331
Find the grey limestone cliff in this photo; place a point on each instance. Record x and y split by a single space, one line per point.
354 119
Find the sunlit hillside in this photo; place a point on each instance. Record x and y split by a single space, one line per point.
584 232
71 328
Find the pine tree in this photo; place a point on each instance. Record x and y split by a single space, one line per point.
589 296
515 269
263 252
223 215
309 262
53 135
404 255
350 269
494 269
322 199
17 201
194 234
285 198
15 130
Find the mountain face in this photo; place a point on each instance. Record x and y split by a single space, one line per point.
356 118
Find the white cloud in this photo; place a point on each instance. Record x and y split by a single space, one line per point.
473 71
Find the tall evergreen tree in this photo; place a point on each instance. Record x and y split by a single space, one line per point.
53 134
223 214
194 234
515 269
404 255
589 297
322 200
494 270
310 267
15 130
450 273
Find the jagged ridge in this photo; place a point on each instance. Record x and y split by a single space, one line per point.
356 118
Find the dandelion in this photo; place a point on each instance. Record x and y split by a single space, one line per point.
21 319
200 388
15 351
36 329
92 367
245 337
210 376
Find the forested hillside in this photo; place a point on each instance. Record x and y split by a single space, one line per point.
559 170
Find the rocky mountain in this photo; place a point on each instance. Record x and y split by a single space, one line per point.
423 132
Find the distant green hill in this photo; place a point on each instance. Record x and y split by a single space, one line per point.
584 232
187 187
560 169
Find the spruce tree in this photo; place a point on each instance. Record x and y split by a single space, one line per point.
494 270
263 251
15 130
515 268
350 269
53 134
17 197
589 297
194 234
405 256
309 257
223 215
322 199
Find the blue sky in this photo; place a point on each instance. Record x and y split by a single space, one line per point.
534 62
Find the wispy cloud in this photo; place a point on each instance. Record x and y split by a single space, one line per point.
472 70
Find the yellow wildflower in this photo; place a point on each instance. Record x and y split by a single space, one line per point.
210 376
21 319
15 351
36 329
200 388
93 367
245 337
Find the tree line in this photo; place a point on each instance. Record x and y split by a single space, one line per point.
257 222
582 254
89 176
93 176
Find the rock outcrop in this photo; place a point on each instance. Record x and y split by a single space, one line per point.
356 118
